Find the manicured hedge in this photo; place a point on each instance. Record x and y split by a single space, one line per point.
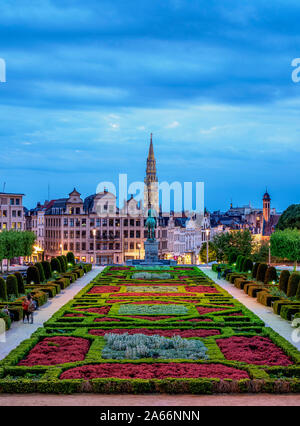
12 286
33 275
271 275
254 270
293 284
47 269
3 289
21 288
71 258
284 280
261 272
55 265
41 272
247 265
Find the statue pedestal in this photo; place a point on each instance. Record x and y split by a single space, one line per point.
151 251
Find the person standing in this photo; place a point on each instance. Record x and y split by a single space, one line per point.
31 308
219 272
25 306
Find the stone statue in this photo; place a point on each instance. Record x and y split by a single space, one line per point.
151 224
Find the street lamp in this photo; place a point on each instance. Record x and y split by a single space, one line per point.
269 254
139 247
61 249
207 234
94 235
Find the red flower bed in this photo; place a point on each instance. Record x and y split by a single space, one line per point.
151 294
57 350
183 268
235 314
154 371
73 315
103 310
198 320
253 350
104 289
202 289
106 319
119 268
164 333
152 284
205 310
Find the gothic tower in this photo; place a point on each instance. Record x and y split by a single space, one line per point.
151 182
266 206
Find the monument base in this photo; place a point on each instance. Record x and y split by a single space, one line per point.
151 256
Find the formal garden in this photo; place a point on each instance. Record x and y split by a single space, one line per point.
130 331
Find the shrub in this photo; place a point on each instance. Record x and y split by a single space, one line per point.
33 275
232 258
62 263
283 280
65 260
3 289
247 265
254 269
293 284
20 281
6 319
12 285
239 261
41 272
71 258
47 269
261 272
271 275
55 265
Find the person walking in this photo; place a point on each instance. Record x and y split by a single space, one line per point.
31 308
25 306
219 272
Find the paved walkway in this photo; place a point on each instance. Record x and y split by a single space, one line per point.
149 400
19 331
265 313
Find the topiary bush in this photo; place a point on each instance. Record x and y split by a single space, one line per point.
41 272
62 263
254 269
55 265
293 284
284 280
33 275
20 281
71 258
232 258
12 286
247 265
65 260
238 262
261 272
3 289
271 275
47 269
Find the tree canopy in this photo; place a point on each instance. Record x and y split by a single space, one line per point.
290 218
233 242
286 244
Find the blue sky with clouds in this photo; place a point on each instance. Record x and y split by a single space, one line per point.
87 81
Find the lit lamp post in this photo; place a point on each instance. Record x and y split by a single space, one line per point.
61 249
269 254
207 234
94 235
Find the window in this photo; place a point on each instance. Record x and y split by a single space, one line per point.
4 213
111 222
65 222
77 222
117 246
65 246
19 225
131 234
77 234
71 246
98 246
92 222
71 234
77 210
83 234
91 246
131 222
138 223
125 222
145 234
77 246
125 234
71 222
111 246
65 234
98 222
104 222
131 246
13 225
83 246
17 201
105 246
83 222
12 201
19 213
14 214
138 234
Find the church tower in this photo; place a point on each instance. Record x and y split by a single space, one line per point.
151 182
266 206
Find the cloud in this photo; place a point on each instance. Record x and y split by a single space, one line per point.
173 125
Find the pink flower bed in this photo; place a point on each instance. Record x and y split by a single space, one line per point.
253 350
103 310
202 289
164 333
154 371
119 268
104 289
205 310
136 294
73 315
57 350
198 320
235 314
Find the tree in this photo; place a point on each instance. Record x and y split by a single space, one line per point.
290 218
55 265
15 244
261 272
260 252
41 271
47 269
212 254
293 284
286 245
283 280
247 265
233 242
271 275
3 289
